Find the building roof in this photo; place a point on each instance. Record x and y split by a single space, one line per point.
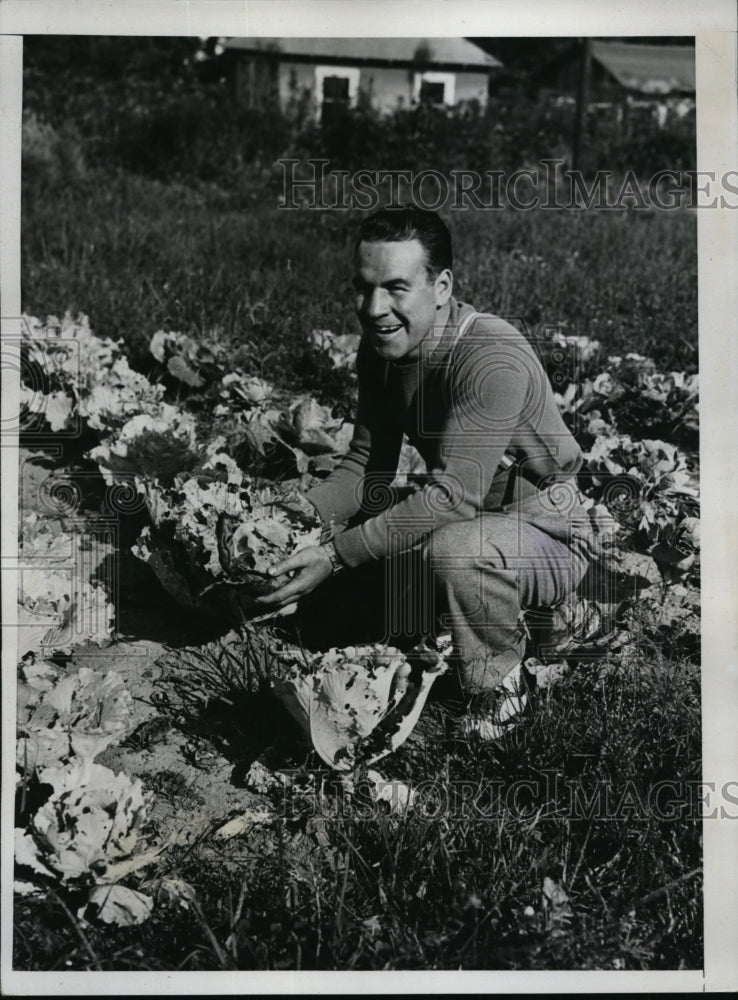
456 53
649 69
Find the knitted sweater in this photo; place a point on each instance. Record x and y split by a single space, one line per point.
469 406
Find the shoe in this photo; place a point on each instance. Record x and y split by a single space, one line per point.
430 650
444 645
491 714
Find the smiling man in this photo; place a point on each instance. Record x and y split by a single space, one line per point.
399 302
498 527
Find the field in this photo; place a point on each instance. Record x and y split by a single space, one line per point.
138 256
570 865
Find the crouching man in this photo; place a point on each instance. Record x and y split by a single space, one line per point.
499 525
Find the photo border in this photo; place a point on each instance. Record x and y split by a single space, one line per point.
713 23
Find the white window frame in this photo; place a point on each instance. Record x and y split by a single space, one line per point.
350 73
433 76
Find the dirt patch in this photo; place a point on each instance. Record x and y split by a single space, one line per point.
194 759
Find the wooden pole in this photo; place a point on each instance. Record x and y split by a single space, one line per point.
580 118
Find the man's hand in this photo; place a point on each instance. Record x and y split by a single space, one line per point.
313 566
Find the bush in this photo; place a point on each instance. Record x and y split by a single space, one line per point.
49 153
195 135
142 106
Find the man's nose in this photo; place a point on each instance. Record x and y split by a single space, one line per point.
376 303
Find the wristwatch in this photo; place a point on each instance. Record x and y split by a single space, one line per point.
330 550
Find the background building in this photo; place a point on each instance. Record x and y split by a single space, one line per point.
335 73
623 73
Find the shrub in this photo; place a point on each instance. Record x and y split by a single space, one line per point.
144 107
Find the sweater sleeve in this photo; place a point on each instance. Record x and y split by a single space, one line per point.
370 464
486 391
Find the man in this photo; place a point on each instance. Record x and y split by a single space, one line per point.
499 526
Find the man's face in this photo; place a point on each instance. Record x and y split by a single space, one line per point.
396 299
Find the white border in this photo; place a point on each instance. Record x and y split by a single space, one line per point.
713 22
718 309
11 55
349 18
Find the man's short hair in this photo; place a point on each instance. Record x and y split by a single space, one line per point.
395 225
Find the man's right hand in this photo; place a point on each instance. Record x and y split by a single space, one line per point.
311 566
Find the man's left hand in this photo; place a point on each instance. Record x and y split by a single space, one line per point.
312 566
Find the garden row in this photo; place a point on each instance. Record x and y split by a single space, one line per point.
256 445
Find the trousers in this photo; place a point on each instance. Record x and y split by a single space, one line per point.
472 578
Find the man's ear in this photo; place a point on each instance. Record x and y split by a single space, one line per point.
443 286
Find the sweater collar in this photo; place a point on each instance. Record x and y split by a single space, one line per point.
438 343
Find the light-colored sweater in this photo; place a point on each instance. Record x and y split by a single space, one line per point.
468 407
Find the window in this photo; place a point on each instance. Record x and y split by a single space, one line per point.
336 88
432 93
434 88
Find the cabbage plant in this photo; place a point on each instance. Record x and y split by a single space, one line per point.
357 704
86 836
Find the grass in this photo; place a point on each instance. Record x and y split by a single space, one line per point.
413 892
137 256
335 885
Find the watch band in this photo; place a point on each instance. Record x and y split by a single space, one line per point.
330 550
328 533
